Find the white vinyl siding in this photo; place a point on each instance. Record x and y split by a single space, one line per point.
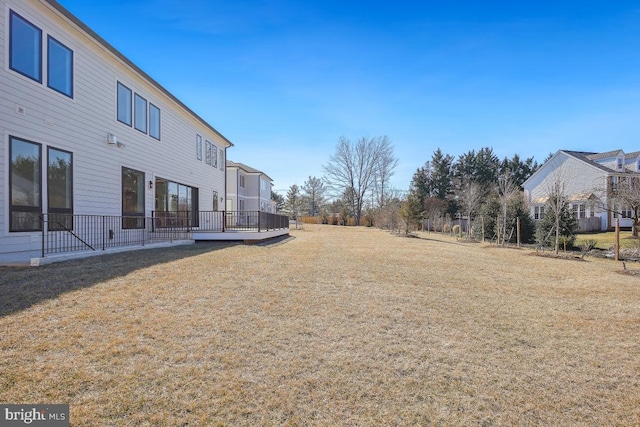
81 125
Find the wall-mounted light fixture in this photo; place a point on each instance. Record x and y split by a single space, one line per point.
150 185
221 198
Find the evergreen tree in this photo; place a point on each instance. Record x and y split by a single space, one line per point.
567 223
519 170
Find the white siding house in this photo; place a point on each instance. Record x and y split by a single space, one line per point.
588 180
84 131
248 189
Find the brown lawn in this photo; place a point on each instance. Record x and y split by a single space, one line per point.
336 326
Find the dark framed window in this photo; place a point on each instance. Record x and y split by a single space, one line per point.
59 189
132 198
177 205
25 47
124 104
59 67
214 156
221 159
25 185
154 121
199 147
140 113
208 152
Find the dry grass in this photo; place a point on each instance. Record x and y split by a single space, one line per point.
337 326
607 239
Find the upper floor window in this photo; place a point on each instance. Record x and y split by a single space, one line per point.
25 56
221 159
25 47
538 212
199 147
241 181
208 152
140 113
154 121
214 156
59 67
620 163
134 110
124 104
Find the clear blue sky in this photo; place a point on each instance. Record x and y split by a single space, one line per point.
283 79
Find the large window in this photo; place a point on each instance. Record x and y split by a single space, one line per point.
59 188
176 204
25 55
538 212
25 185
140 113
132 198
25 47
59 67
124 104
154 121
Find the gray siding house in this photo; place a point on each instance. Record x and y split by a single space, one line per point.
86 132
248 189
589 181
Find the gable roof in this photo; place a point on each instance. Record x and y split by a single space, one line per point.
588 158
93 35
248 169
606 155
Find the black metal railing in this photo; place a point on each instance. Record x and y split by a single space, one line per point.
222 221
62 233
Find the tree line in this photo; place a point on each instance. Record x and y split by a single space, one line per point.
476 184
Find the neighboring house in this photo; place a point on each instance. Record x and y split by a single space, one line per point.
248 189
85 131
589 181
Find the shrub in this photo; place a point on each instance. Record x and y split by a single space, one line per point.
455 229
587 244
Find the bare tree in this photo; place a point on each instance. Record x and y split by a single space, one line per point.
355 167
384 171
627 195
506 190
556 203
471 196
434 208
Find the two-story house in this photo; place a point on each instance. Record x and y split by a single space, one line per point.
590 183
248 189
85 131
